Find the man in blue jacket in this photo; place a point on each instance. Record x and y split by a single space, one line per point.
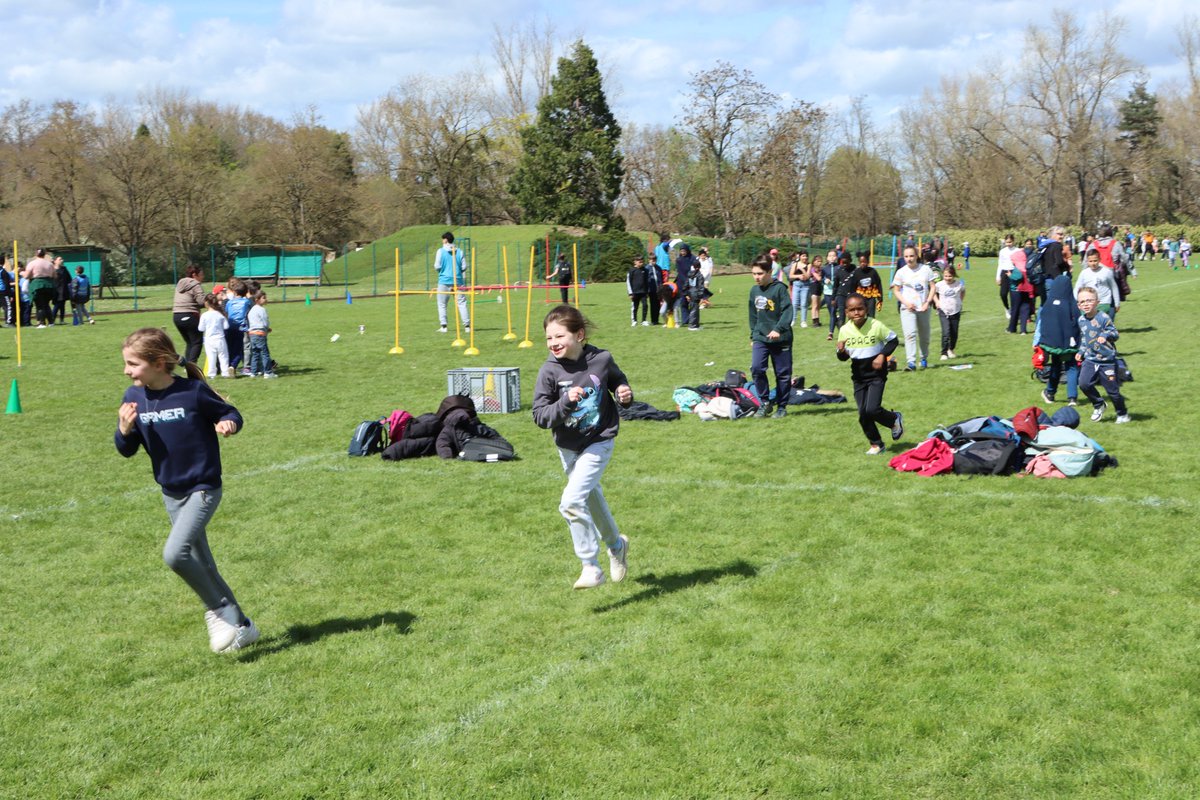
451 278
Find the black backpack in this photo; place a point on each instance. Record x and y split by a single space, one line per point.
486 444
1035 270
982 454
368 439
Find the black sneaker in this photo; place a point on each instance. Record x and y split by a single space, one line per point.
780 412
763 411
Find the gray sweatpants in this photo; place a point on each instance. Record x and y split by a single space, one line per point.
187 552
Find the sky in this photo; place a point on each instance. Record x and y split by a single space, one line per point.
281 57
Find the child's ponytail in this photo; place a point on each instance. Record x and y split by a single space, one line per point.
154 346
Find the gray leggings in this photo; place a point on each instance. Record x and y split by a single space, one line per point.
187 552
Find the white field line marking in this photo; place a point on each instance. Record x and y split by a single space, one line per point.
441 733
74 504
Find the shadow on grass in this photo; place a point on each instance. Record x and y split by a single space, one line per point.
401 621
282 370
1147 329
668 584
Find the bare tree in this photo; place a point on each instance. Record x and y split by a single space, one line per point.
724 106
1059 107
661 179
525 56
131 198
431 135
59 170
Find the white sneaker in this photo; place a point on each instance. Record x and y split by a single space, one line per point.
220 633
591 577
803 324
618 560
1121 420
442 329
951 354
633 324
467 329
945 357
645 323
246 635
1098 412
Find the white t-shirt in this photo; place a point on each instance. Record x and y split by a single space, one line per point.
949 296
213 325
912 285
1004 262
706 268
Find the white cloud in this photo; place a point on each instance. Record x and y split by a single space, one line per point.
280 56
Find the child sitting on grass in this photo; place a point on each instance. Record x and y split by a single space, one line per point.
866 343
1098 357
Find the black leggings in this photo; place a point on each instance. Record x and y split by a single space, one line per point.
188 325
42 298
868 394
949 330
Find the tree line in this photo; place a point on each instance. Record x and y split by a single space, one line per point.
1070 133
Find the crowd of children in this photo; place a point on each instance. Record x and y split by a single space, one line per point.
235 321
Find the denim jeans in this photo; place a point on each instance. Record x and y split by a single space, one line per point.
1057 365
583 505
800 301
260 355
915 325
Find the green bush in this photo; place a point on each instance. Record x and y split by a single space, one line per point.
602 256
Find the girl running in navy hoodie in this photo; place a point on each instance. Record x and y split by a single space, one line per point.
177 421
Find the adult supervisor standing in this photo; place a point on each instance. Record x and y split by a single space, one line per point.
451 275
40 274
186 310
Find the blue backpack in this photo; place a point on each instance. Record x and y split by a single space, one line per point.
81 289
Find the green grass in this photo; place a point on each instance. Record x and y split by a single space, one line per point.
798 621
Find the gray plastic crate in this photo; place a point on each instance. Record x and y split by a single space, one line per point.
494 390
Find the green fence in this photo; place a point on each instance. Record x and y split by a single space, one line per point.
144 278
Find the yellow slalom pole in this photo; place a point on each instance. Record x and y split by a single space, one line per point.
871 258
529 300
17 296
458 339
575 269
397 349
508 337
472 350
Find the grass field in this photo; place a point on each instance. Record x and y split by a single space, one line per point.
798 620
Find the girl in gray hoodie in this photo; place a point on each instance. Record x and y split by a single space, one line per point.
575 397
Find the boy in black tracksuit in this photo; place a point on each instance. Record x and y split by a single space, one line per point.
770 336
637 284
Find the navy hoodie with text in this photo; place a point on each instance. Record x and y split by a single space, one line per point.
176 426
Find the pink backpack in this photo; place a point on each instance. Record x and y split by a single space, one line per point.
397 423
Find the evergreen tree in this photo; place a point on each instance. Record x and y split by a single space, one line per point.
571 168
1139 118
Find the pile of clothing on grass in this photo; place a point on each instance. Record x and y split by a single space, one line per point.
453 431
1030 443
736 397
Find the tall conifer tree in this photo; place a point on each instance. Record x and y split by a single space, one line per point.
571 168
